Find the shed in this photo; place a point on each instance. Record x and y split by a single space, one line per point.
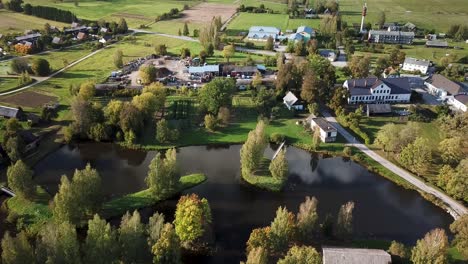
289 100
335 255
10 112
378 109
437 44
204 69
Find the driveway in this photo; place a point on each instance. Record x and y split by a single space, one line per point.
454 208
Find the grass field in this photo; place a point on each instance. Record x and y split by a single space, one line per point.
8 84
430 14
13 22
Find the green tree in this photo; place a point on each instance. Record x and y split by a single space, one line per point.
457 185
257 80
20 179
300 48
380 66
259 238
311 87
307 218
282 229
118 59
301 255
398 251
192 218
40 67
147 74
224 115
161 49
19 65
163 175
252 151
122 26
265 100
451 150
185 53
270 43
167 248
163 131
210 122
58 243
360 66
257 256
387 136
216 93
396 57
417 156
381 19
460 229
148 104
432 249
112 111
446 173
279 167
17 250
131 119
339 98
132 240
229 51
155 228
101 242
344 224
186 31
87 90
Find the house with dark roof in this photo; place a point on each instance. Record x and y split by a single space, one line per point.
390 37
413 65
328 132
234 70
378 91
438 85
336 255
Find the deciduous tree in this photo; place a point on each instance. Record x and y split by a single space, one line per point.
252 151
270 43
228 52
360 66
147 74
163 175
398 251
155 228
210 122
279 167
17 250
451 150
344 224
40 67
307 218
101 242
132 240
192 217
257 255
301 255
259 238
417 156
167 248
217 93
311 86
58 243
432 249
460 229
20 179
118 59
87 90
282 229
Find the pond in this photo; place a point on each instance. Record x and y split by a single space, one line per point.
383 210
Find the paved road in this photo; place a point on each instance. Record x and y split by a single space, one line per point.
454 208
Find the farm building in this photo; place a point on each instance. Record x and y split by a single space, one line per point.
378 91
30 37
437 44
391 37
81 36
412 65
328 133
234 70
328 54
10 112
377 109
259 33
57 40
334 255
438 85
206 69
302 33
75 30
459 102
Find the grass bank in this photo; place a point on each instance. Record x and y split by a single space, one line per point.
262 178
143 198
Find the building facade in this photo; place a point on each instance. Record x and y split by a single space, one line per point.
377 91
439 86
391 37
459 102
259 33
328 132
413 65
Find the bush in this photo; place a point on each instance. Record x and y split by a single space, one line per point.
210 122
277 138
348 151
40 67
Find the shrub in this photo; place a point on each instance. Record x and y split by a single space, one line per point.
348 151
210 122
277 138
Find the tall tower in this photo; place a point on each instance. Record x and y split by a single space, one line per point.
364 13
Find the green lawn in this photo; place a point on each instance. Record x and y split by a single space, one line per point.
262 178
11 22
430 14
7 84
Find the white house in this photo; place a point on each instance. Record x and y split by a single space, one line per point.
289 100
328 133
413 65
459 102
335 255
259 33
438 85
378 91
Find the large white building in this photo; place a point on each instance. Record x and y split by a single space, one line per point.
378 91
459 102
259 33
328 132
438 85
391 37
413 65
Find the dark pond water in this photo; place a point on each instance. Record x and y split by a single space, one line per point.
383 210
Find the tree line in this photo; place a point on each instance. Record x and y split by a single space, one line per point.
45 12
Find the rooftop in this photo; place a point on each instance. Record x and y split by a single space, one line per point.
391 33
364 86
262 29
414 61
462 98
8 111
324 124
289 100
333 255
437 43
29 36
203 69
441 82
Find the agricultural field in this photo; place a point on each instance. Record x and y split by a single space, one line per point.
244 21
17 23
429 14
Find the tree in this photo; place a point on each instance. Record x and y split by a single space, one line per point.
210 122
162 131
325 71
229 51
417 156
101 242
186 31
282 229
161 49
360 66
112 111
132 240
460 229
155 228
147 74
387 136
122 26
265 100
451 150
432 249
40 67
316 140
148 104
307 218
216 93
167 248
279 167
344 224
457 185
270 43
192 218
17 250
300 48
19 65
20 179
131 119
289 77
79 198
252 151
224 115
381 64
184 53
312 46
163 175
259 238
301 255
118 59
398 251
339 98
396 57
381 19
446 173
310 88
87 90
257 80
58 243
257 255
